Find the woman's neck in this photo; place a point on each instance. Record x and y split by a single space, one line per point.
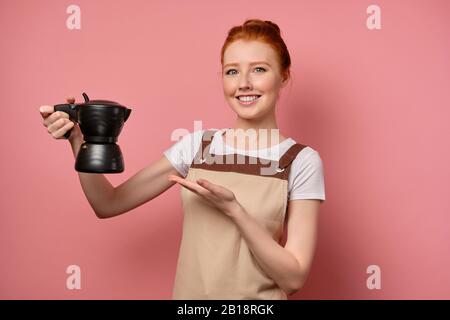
256 124
247 134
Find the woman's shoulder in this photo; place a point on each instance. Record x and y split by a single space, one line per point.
307 157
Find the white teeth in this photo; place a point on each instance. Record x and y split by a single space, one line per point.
247 98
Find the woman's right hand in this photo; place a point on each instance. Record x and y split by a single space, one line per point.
58 123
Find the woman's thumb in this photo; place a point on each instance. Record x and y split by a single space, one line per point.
46 111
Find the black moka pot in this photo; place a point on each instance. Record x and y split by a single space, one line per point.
101 122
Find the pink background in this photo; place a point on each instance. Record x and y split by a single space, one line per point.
374 103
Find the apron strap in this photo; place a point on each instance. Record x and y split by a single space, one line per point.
206 141
283 163
207 138
290 155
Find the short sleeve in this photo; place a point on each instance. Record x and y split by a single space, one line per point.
182 152
306 178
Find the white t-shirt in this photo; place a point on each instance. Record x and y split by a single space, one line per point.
306 178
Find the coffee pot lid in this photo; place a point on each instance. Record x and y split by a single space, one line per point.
100 102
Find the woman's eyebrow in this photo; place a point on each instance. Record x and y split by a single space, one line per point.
255 62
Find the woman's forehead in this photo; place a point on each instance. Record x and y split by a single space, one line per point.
244 52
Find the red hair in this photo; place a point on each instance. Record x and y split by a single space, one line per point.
265 31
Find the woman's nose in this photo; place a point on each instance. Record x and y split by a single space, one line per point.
244 83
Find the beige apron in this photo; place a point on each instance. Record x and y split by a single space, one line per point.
214 261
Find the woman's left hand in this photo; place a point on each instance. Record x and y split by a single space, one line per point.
218 196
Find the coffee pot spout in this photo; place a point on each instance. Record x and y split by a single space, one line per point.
127 114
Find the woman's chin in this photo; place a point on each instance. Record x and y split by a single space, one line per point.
248 112
248 115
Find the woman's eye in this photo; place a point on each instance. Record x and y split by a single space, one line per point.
228 72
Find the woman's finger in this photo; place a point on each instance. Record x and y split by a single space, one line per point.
188 184
208 185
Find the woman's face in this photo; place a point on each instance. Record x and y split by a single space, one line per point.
251 68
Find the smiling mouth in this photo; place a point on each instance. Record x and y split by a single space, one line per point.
249 100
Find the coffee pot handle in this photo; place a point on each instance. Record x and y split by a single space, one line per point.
70 109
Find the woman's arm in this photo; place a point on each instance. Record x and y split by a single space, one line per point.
145 185
108 201
288 266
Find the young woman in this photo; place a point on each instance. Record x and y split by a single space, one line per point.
235 211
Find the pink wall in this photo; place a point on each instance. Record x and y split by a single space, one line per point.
374 103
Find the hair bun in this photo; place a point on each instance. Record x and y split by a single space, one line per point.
274 25
261 23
